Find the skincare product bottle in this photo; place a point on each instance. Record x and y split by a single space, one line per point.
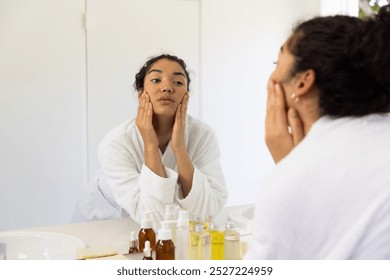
195 220
183 236
133 243
200 243
147 251
207 221
165 250
232 242
170 219
217 242
146 233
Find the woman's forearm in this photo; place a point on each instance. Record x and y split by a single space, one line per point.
153 161
186 171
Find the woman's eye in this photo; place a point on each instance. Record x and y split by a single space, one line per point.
178 83
155 80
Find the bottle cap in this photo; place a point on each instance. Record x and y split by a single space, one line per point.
198 227
183 220
165 232
213 226
165 225
197 219
209 219
147 250
230 225
170 212
133 236
147 222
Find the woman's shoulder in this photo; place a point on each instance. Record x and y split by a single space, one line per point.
196 125
119 132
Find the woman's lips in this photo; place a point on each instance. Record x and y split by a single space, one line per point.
165 100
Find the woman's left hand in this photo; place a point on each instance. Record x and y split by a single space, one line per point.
177 142
283 126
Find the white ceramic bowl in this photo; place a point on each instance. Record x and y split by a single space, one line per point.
30 245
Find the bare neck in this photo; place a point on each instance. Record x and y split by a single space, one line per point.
163 127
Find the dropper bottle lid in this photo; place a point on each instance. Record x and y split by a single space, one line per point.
147 250
133 243
133 237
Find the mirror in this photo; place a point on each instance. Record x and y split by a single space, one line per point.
66 80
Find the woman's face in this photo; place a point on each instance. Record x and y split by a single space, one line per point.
166 84
282 72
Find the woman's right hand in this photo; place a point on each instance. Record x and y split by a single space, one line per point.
144 121
280 141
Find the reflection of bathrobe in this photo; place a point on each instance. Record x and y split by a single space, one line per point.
330 197
135 188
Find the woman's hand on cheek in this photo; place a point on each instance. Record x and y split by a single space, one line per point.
177 142
144 121
277 122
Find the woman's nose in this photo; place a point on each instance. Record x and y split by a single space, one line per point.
167 88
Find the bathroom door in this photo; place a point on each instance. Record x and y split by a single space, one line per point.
121 35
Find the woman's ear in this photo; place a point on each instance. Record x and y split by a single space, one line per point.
305 82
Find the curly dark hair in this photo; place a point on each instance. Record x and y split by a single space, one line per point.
140 76
351 60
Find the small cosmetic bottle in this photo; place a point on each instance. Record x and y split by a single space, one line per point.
183 236
232 243
147 251
217 242
170 219
200 243
146 233
165 250
133 243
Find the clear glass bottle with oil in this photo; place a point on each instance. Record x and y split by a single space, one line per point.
200 243
217 242
232 243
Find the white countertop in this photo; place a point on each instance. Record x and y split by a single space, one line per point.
114 233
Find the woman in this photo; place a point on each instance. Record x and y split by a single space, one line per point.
329 195
164 156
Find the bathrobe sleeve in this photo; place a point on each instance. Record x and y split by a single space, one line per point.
135 187
208 194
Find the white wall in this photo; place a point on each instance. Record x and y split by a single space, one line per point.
239 43
42 82
47 115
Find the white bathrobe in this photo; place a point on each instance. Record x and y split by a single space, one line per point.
137 189
330 197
